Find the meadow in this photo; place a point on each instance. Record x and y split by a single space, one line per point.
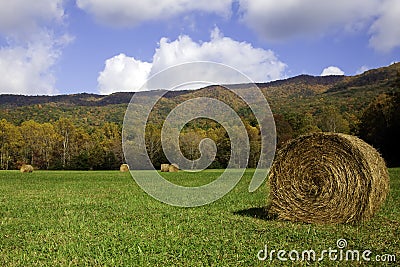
103 218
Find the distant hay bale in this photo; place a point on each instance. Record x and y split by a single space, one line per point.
124 168
327 178
173 168
26 168
165 167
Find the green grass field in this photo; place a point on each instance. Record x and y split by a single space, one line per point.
104 219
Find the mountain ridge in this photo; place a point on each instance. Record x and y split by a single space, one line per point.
92 99
297 85
301 95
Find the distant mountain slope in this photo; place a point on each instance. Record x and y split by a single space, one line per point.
386 77
83 99
301 94
306 80
300 85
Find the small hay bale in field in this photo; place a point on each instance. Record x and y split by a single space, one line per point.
173 167
26 168
327 178
124 168
165 167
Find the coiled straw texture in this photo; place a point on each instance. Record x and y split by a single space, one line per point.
327 178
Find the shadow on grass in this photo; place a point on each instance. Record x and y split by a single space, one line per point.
258 213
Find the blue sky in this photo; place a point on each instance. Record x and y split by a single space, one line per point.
102 46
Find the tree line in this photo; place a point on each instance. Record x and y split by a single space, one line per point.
380 126
60 145
67 144
64 145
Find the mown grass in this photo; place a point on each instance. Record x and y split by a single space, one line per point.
104 219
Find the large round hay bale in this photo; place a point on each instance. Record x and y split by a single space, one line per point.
124 168
327 178
173 167
26 168
165 167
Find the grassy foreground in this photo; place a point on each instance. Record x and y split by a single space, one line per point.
104 219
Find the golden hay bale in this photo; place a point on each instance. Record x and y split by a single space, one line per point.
327 178
124 168
165 167
173 168
26 168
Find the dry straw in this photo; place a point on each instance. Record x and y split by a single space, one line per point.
173 167
26 168
164 167
327 178
124 168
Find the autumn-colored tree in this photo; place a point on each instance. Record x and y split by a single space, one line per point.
48 141
331 120
284 131
189 145
31 144
255 145
380 126
222 141
111 145
153 144
301 123
79 147
10 140
65 128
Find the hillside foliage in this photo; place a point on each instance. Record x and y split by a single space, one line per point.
83 131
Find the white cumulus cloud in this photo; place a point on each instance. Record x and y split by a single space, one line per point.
385 30
132 13
290 18
332 70
258 64
21 19
31 49
25 70
123 73
287 19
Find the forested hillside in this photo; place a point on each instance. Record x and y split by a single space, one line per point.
83 131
